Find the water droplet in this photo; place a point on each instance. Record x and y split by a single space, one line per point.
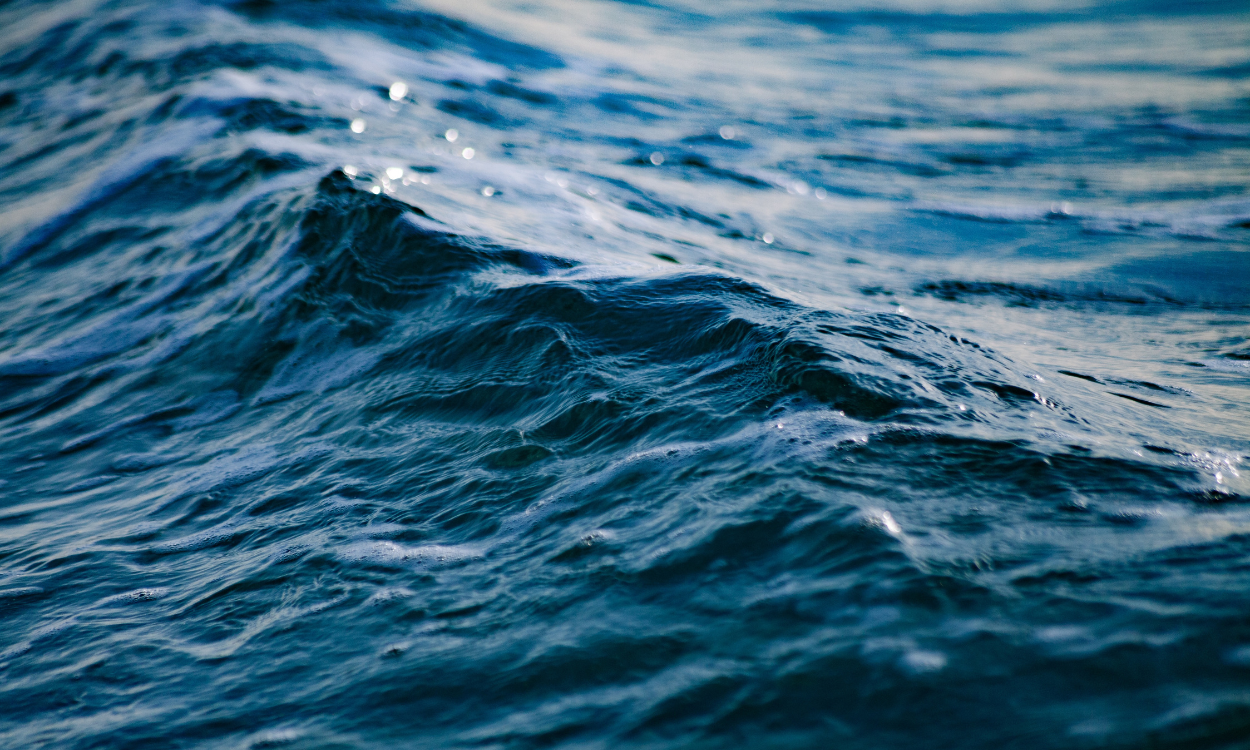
350 170
727 132
488 191
394 173
358 125
468 153
768 238
375 189
657 158
399 90
820 194
451 135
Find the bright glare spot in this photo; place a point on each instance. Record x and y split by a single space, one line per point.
780 425
488 191
924 661
358 125
964 408
890 524
801 188
821 194
727 132
768 238
375 189
452 134
399 90
394 173
1219 478
657 158
468 153
350 171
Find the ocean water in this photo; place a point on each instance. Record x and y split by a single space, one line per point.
588 374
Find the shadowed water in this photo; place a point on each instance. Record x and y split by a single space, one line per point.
612 375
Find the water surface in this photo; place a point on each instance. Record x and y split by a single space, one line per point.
609 375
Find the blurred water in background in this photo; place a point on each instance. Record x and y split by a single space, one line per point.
488 374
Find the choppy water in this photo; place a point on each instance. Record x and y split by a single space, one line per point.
734 375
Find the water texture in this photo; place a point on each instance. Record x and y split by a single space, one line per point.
597 374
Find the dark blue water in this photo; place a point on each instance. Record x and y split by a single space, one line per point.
584 374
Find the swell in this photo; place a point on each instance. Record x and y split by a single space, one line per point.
373 425
291 461
308 292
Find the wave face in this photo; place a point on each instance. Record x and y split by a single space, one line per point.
689 375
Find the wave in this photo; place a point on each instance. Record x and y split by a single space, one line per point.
431 449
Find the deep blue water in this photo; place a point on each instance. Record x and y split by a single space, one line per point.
588 374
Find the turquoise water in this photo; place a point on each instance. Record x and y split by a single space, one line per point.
624 375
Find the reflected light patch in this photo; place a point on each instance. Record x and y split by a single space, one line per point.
394 173
399 90
451 135
358 125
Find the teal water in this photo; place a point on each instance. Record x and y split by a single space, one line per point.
624 375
